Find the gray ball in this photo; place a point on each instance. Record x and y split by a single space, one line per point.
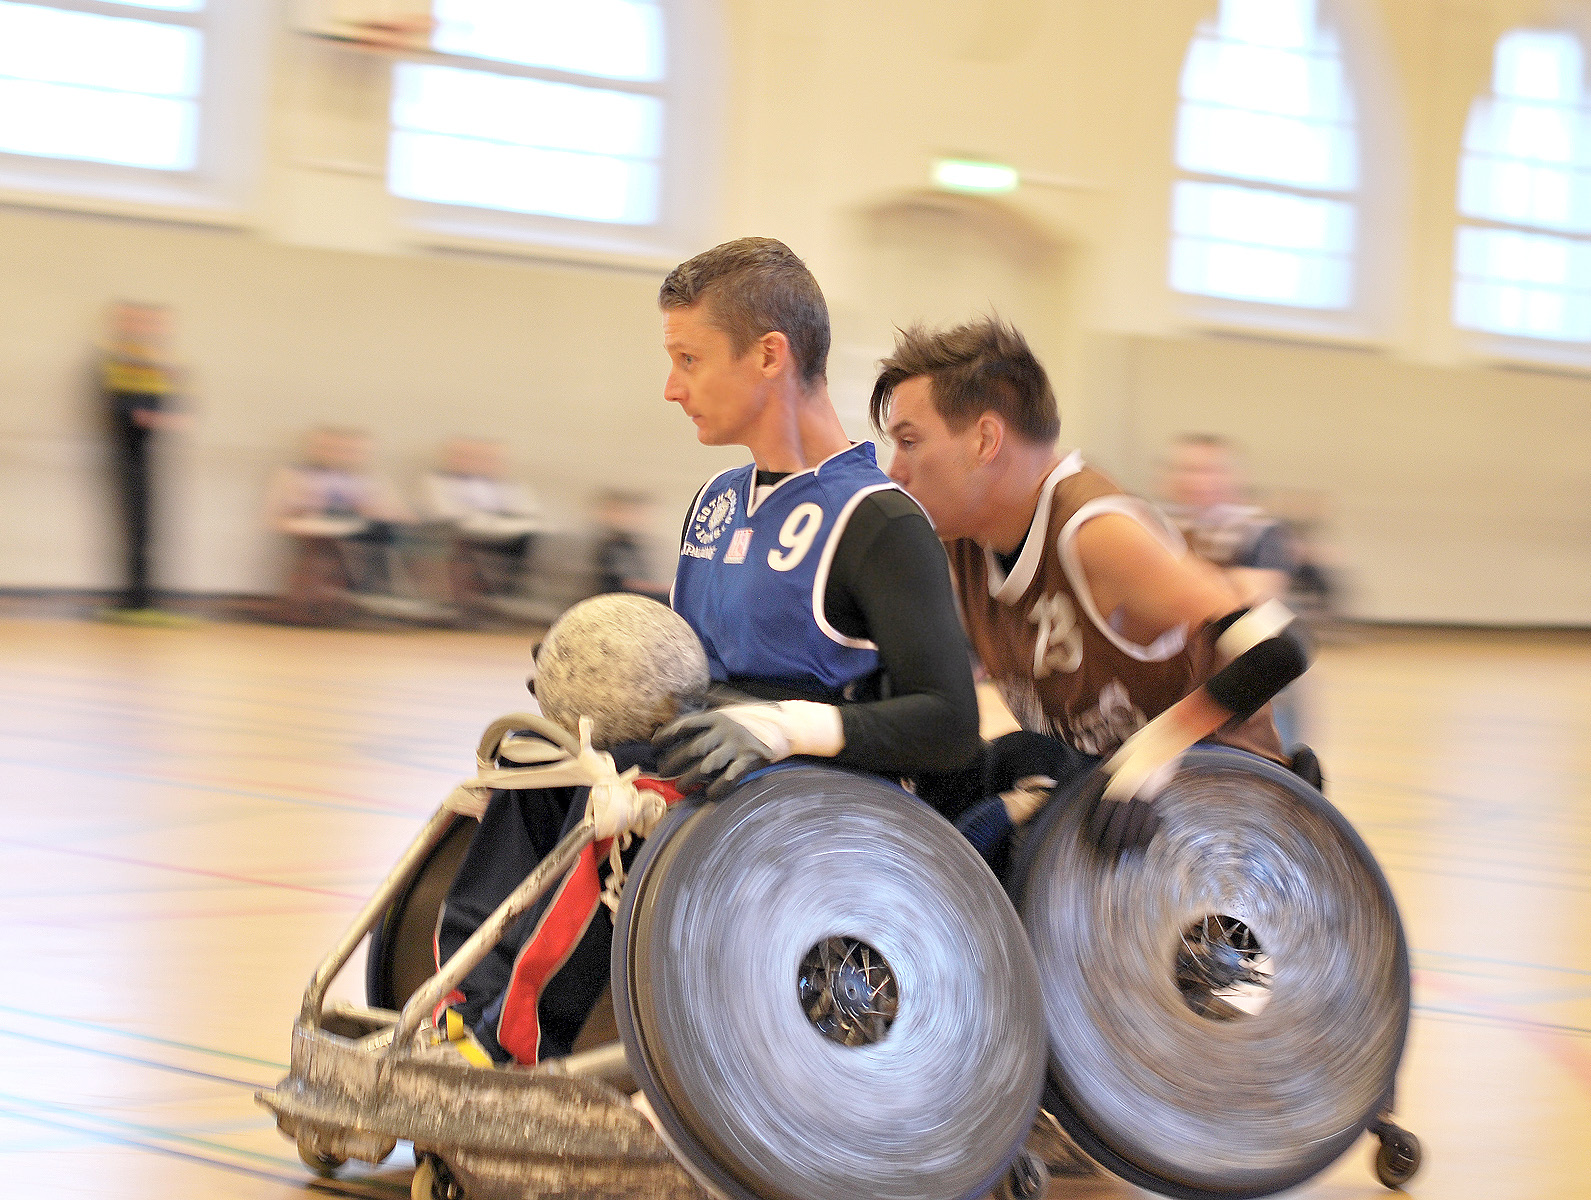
627 662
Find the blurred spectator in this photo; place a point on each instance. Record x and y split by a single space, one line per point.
349 530
139 385
493 521
1206 498
620 556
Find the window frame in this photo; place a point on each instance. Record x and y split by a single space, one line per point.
1359 322
220 187
1499 345
687 165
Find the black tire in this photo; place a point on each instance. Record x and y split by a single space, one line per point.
744 930
1027 1179
402 953
1398 1156
1153 1071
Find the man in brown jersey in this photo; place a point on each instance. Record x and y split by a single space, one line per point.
1082 603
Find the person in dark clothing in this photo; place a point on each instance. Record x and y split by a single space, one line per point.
139 387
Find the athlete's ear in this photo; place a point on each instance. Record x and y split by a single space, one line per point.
990 437
773 352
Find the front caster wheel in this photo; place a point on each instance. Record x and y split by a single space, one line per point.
318 1160
433 1181
1398 1155
1028 1178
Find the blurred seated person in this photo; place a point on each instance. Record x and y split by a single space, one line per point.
493 520
336 508
1205 499
621 559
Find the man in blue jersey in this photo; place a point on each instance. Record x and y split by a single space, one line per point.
821 595
816 585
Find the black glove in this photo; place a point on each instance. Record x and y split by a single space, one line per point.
709 748
1117 827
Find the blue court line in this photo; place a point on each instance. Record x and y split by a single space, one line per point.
296 1179
24 1103
34 1040
1499 962
1505 1021
206 788
97 1027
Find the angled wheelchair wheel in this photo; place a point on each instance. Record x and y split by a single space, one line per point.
825 993
402 952
1226 1011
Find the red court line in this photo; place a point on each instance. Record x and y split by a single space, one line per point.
160 866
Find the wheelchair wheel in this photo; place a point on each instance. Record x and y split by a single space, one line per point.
1227 1010
824 993
402 953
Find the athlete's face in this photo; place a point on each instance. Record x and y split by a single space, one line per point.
938 466
720 391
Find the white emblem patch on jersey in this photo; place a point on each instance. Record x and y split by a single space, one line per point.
1058 645
714 516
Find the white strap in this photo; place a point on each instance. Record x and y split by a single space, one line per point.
1252 628
587 768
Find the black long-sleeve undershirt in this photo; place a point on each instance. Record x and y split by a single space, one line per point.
889 583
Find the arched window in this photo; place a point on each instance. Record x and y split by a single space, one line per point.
1265 141
1523 257
141 100
539 119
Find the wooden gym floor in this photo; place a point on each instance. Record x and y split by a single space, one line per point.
192 815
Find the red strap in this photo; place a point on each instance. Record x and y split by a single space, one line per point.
556 935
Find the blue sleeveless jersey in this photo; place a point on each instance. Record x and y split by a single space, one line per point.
751 577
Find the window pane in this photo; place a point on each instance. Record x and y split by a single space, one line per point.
467 171
524 145
1255 244
104 89
1524 284
616 39
1527 148
52 45
528 112
1264 98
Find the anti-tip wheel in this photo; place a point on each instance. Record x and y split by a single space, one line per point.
433 1181
1398 1155
1028 1178
317 1160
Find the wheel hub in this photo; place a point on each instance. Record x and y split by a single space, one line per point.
848 991
1223 972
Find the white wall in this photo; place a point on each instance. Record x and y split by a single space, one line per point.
1461 488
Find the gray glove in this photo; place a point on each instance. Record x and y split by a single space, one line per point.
1117 827
712 749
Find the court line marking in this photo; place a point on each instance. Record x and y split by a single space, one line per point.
159 866
154 1131
99 1027
373 809
1501 962
354 1187
35 1040
1506 1019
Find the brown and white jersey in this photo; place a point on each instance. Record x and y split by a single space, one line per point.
1059 664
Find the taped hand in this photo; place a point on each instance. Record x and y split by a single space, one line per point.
710 748
1116 826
